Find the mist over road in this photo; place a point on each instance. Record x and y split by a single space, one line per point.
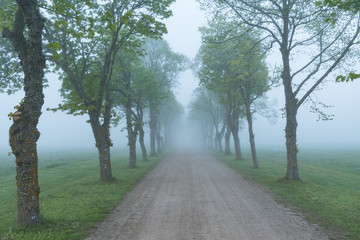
190 195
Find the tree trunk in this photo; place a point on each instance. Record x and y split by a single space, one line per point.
103 144
159 138
132 149
227 141
251 137
23 133
216 144
292 171
219 138
152 124
132 132
211 137
104 161
235 133
142 144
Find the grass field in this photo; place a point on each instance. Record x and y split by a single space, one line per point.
329 193
72 200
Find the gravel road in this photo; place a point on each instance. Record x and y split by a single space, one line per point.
190 195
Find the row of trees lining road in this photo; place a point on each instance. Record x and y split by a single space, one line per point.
112 64
232 70
300 30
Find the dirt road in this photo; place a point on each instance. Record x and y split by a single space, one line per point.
192 196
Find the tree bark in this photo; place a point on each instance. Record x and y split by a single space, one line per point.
23 133
142 143
153 130
227 141
131 135
251 137
235 133
103 144
132 149
159 138
292 171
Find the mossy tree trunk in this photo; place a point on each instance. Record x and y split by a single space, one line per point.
103 145
24 133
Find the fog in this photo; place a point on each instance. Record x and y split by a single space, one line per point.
60 131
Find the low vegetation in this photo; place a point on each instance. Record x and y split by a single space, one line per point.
72 199
328 194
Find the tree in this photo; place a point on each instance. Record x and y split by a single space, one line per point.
85 48
133 85
215 73
25 35
170 112
201 120
351 6
166 67
300 32
209 102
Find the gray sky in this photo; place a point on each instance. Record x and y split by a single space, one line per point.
64 131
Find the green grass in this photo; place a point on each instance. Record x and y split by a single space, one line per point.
329 193
72 200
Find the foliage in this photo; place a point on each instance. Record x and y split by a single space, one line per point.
352 6
351 77
233 60
165 64
11 74
8 10
334 6
310 49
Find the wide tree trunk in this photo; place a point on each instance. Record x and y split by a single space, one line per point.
251 137
292 171
103 144
235 133
104 161
142 144
153 130
227 141
132 149
23 134
219 140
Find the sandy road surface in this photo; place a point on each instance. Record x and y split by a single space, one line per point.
192 196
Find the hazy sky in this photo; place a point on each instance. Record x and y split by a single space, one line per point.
59 130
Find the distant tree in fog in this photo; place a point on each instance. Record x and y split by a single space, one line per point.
233 65
166 66
208 104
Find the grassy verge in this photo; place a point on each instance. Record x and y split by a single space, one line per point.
329 193
72 200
